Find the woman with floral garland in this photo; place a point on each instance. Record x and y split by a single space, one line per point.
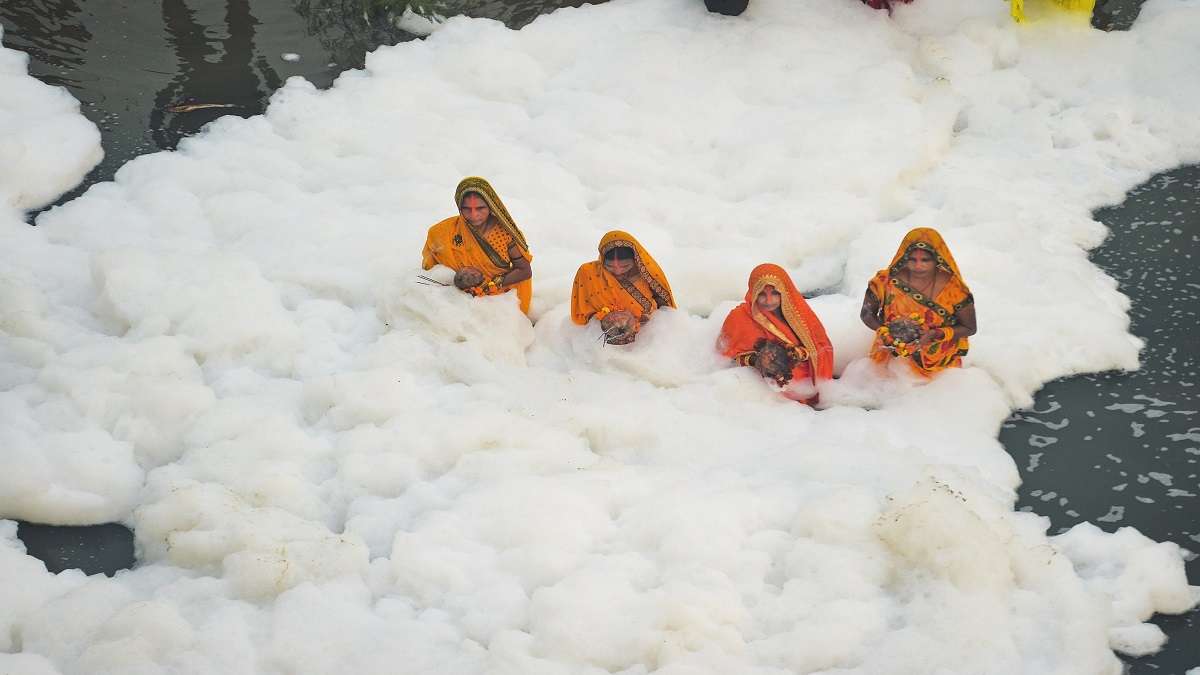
919 307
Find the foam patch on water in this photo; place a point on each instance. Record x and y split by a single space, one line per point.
46 146
330 468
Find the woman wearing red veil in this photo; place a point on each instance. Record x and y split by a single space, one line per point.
776 332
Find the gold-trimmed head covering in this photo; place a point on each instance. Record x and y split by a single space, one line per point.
479 186
796 312
928 239
647 267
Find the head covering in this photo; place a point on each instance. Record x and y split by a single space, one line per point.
478 186
796 313
928 239
648 269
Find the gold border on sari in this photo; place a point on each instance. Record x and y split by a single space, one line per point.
661 295
793 319
488 250
929 240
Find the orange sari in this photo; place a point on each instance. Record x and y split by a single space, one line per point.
800 330
596 292
899 301
455 244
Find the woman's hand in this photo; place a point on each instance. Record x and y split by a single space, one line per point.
468 278
931 336
870 311
620 327
774 361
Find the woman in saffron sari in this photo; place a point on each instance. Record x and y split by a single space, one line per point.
620 289
776 332
919 307
482 245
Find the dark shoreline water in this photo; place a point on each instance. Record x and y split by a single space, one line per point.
1115 449
1123 449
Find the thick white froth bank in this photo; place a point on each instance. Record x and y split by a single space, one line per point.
55 470
331 468
46 146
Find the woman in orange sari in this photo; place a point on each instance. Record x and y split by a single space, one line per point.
775 319
621 288
919 307
482 244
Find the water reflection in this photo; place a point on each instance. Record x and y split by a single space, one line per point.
215 63
51 33
347 31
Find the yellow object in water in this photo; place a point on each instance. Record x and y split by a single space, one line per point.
1023 11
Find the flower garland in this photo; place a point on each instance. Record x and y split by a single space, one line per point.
903 336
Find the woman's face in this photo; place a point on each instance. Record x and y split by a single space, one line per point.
920 261
474 210
768 299
619 261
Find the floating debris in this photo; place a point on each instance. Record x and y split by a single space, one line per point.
183 107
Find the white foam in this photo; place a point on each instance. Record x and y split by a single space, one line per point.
46 146
332 468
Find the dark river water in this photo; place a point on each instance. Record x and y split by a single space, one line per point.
1121 449
1114 449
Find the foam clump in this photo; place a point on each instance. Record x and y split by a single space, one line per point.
23 600
1139 576
27 664
46 145
330 467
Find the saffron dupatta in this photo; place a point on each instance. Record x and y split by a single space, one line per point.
455 244
596 292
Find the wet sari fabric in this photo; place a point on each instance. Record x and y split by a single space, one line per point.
596 292
455 244
799 329
897 300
